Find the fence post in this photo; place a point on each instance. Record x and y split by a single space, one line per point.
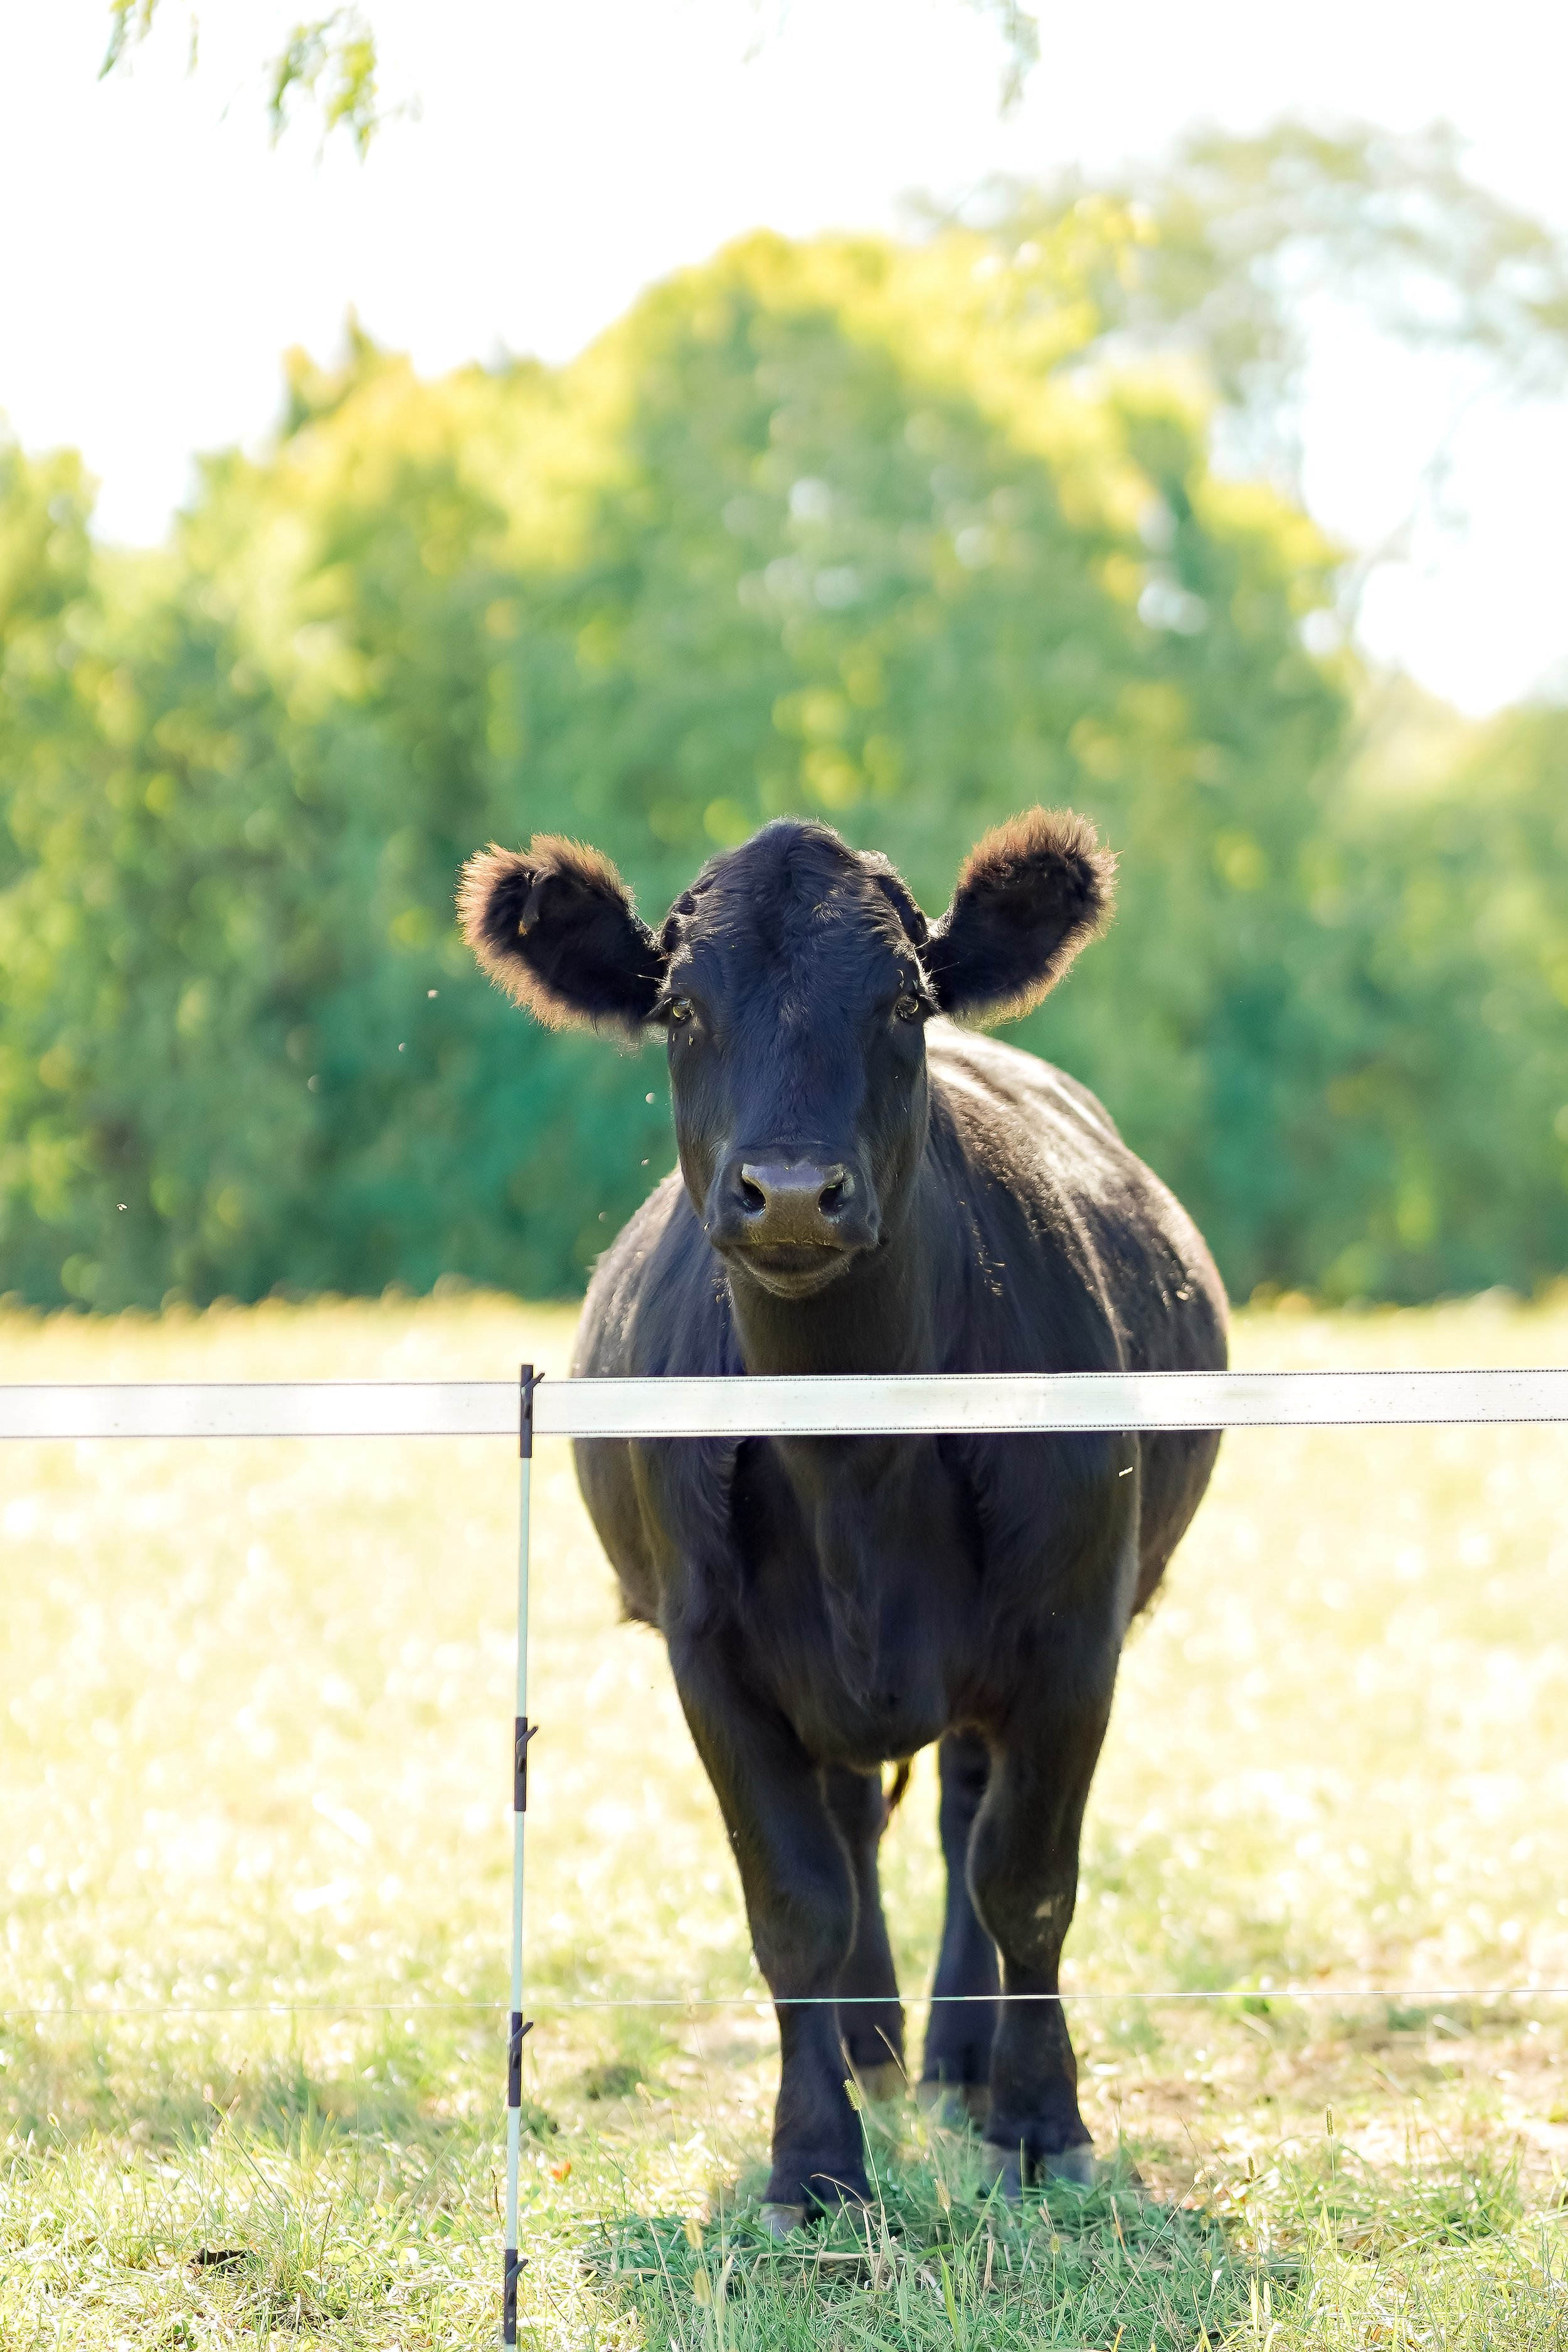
522 1733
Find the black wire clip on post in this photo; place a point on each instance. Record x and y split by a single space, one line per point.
523 1731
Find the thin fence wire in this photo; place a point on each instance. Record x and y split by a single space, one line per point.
764 2000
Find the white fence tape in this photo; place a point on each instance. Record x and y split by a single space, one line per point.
859 1405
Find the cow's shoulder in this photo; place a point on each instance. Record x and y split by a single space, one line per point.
659 1302
996 1088
1046 1177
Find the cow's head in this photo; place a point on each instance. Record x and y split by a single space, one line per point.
794 981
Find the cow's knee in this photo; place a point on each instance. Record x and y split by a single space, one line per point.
802 1922
1026 1917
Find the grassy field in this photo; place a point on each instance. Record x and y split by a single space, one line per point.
253 1730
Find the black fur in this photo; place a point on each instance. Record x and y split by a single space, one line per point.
1032 894
555 927
862 1189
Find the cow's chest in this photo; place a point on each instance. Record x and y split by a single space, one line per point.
860 1602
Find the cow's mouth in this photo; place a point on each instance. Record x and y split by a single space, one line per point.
792 1269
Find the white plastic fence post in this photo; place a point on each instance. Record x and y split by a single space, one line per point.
517 2026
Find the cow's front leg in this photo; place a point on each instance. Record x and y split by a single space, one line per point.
956 2079
800 1902
1023 1873
870 2020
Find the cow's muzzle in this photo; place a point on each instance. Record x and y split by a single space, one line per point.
794 1224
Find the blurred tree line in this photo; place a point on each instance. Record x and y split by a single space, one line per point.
904 535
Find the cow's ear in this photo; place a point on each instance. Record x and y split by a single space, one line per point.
893 887
1031 894
555 925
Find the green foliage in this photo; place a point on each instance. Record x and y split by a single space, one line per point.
1243 234
329 65
1451 1087
866 532
332 62
329 62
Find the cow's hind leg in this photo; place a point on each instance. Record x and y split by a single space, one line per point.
870 2020
956 2072
1024 1872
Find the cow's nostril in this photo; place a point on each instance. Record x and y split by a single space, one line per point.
790 1203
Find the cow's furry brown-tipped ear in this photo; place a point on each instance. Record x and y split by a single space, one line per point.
555 925
1031 894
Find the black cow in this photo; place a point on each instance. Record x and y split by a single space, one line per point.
864 1188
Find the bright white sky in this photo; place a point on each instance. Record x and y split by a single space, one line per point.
160 256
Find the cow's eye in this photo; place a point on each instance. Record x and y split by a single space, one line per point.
908 1008
680 1009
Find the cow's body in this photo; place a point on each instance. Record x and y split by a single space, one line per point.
1045 1245
831 1605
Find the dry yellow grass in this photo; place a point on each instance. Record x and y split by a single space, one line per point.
255 1709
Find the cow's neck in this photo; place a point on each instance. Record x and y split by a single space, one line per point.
869 1503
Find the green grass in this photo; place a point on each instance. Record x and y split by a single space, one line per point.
255 1713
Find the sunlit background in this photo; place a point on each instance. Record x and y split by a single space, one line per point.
555 161
641 421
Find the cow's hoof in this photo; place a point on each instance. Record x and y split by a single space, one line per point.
1074 2166
952 2105
1001 2168
886 2081
781 2220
